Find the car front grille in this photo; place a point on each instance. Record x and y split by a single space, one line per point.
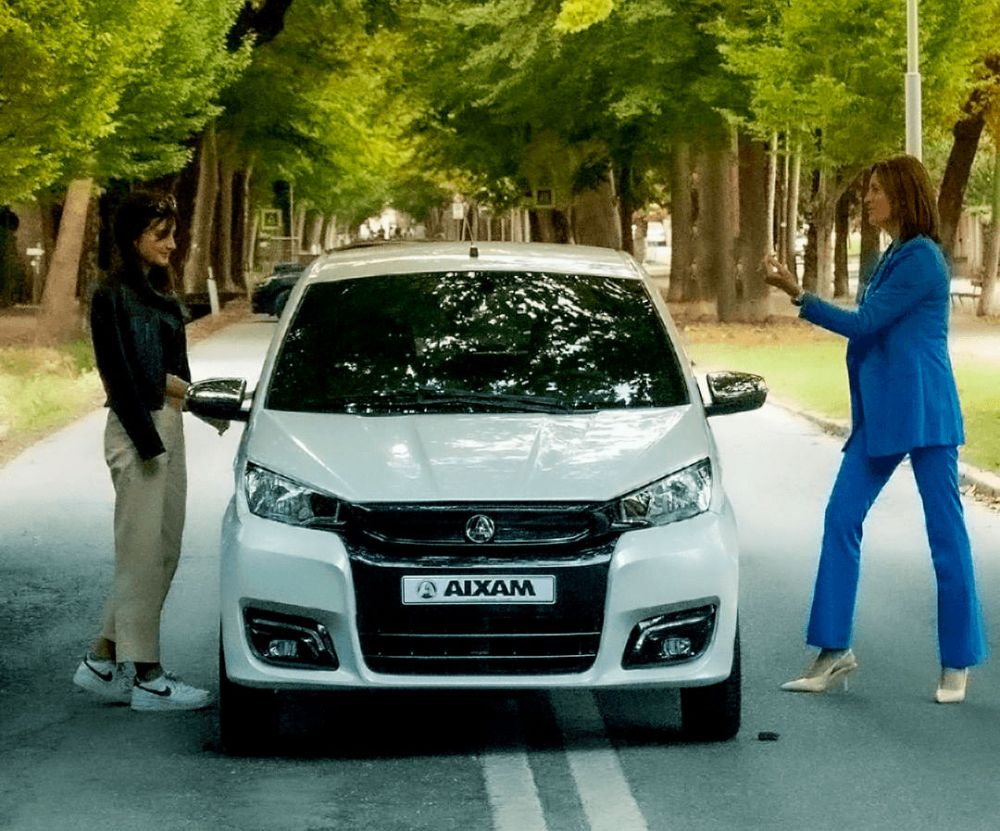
546 524
471 654
488 638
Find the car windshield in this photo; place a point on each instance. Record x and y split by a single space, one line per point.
476 341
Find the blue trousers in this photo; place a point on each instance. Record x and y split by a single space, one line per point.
961 639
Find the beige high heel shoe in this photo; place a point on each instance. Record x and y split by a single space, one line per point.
952 686
825 673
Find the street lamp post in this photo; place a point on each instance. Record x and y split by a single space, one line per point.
913 142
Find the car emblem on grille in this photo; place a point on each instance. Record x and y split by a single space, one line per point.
426 590
479 529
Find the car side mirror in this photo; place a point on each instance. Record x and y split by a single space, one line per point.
219 398
734 392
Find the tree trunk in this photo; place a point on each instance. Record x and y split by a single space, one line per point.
542 227
47 213
870 241
842 231
89 273
224 224
681 224
240 227
248 231
626 204
966 133
59 318
700 288
298 231
11 268
314 231
987 296
772 188
792 209
595 217
755 177
817 275
330 232
197 262
719 205
252 245
781 203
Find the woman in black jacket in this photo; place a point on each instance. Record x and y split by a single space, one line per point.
137 326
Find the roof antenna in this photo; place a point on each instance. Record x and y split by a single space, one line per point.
473 251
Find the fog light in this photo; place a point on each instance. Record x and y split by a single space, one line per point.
283 649
671 638
289 641
673 648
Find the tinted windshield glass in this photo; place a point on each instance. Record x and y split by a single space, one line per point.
475 342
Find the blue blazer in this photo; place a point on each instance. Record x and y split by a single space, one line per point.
900 376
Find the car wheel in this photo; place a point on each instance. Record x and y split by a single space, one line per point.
248 717
713 713
280 301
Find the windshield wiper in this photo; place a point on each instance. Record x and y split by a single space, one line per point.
389 401
509 401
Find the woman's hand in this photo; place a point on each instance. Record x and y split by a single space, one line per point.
775 274
176 389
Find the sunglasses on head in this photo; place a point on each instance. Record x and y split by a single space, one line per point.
165 205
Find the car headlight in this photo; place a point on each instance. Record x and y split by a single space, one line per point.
276 497
681 495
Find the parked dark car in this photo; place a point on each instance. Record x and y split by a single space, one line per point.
270 296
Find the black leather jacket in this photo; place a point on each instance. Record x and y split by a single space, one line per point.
138 337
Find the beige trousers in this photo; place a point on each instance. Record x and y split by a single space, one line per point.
150 500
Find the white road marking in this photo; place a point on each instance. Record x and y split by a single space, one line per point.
604 791
512 791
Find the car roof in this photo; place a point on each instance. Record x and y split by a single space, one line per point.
417 257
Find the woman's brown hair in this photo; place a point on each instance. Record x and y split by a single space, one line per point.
907 185
137 212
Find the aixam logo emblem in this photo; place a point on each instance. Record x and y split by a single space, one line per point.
480 529
426 590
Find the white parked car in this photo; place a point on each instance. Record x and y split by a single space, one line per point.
477 466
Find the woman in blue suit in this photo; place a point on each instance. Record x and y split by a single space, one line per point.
903 402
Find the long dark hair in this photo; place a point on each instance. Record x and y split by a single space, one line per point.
135 214
907 184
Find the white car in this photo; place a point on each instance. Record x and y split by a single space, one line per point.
657 246
477 466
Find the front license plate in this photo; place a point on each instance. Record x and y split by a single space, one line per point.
480 588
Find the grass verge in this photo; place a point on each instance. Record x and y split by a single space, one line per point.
804 367
43 389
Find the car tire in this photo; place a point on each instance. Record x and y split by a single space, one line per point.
248 717
712 713
279 302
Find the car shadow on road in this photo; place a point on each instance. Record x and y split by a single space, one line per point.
403 724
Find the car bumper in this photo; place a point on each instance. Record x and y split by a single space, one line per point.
307 574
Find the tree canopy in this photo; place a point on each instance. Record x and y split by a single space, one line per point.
107 88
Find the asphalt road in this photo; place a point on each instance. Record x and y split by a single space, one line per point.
882 756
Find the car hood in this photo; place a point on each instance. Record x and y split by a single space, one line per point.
462 458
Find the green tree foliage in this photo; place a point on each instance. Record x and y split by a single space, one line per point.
577 15
621 81
106 88
834 69
65 65
172 90
316 109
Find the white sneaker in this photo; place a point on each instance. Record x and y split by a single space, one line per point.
105 679
167 693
